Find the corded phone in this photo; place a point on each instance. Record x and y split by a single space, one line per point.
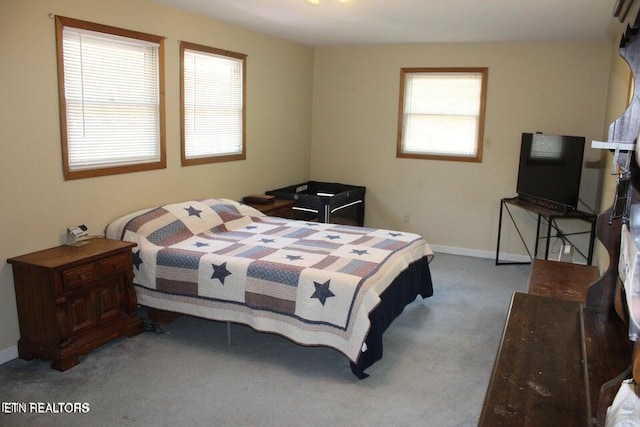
76 235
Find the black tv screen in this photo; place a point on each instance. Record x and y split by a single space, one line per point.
550 170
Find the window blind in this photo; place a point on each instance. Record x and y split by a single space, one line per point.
441 113
111 88
212 104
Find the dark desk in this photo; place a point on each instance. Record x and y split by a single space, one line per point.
551 217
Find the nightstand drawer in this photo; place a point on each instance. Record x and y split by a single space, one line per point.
115 265
80 276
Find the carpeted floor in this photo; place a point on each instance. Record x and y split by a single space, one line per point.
438 358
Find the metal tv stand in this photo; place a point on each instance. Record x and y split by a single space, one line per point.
551 217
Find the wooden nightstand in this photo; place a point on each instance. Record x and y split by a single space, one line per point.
279 207
72 300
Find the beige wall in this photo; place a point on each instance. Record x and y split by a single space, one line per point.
547 87
38 206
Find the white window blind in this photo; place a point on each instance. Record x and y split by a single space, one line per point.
213 110
442 113
111 89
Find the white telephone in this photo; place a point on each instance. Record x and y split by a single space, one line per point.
76 235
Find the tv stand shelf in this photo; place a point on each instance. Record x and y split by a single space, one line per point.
551 217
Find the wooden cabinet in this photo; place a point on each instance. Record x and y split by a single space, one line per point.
73 299
557 357
279 207
539 373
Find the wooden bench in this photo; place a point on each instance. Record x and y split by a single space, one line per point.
539 370
561 280
607 347
559 362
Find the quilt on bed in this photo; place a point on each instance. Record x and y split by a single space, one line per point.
312 282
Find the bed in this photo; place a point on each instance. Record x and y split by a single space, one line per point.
316 284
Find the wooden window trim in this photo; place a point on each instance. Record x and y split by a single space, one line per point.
62 22
211 159
484 71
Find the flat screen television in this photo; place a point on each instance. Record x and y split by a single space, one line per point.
550 170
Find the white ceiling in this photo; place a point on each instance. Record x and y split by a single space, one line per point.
412 21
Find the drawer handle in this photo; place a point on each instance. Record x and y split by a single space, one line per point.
83 277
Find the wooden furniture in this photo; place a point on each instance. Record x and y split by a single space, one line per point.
539 374
279 207
561 280
560 361
607 348
73 299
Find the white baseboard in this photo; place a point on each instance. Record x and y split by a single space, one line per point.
8 354
480 254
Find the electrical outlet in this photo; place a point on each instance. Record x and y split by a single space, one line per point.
566 253
406 218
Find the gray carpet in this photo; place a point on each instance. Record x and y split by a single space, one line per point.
438 358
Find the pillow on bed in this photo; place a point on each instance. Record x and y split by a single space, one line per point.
174 222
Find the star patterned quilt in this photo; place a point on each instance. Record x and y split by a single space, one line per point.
313 283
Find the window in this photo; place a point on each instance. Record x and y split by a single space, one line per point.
442 113
111 99
213 104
